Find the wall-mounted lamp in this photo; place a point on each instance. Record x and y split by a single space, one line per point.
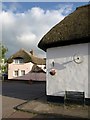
53 63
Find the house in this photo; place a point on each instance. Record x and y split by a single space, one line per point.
66 46
25 65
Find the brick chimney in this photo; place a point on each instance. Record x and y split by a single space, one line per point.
32 52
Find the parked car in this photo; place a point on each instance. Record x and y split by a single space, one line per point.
4 76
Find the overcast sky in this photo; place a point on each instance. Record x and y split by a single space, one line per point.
25 23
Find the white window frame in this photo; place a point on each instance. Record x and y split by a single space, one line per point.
14 73
18 61
22 71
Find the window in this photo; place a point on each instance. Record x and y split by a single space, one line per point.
22 72
16 73
18 61
15 61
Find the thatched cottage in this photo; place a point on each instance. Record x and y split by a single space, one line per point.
66 46
24 65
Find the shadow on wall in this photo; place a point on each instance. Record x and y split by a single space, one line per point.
59 66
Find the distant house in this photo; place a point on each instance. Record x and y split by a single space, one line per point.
67 45
25 65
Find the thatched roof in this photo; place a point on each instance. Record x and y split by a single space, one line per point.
73 29
36 69
27 57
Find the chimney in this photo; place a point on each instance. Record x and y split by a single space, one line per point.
32 52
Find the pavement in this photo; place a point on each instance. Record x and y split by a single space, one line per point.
40 106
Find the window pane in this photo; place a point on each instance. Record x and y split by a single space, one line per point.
21 61
15 61
22 72
18 61
16 73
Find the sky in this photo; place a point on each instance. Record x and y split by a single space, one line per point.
25 23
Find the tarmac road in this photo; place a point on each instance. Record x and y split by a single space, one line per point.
22 90
15 93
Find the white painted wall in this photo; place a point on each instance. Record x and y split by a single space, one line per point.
23 66
69 76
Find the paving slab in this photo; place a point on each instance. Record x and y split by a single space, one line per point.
19 114
47 108
7 105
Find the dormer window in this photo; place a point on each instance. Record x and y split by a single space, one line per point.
18 60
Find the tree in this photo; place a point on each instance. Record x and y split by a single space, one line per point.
3 60
4 50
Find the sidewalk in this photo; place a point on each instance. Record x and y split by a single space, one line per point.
42 107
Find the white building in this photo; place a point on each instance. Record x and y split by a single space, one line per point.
66 46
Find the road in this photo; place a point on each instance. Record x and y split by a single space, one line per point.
22 90
15 93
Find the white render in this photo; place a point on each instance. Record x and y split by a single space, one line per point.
70 75
23 66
